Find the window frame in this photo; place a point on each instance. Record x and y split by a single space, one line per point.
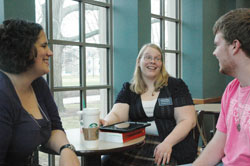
177 21
83 87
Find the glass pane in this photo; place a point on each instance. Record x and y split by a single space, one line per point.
155 31
170 63
96 66
155 7
170 8
98 99
101 0
68 103
41 13
66 65
66 20
96 24
170 35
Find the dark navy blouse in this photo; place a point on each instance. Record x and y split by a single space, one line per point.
20 133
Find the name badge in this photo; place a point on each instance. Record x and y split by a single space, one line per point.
165 101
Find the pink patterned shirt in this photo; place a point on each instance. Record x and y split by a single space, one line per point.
235 109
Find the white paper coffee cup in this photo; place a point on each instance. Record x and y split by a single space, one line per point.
91 117
90 126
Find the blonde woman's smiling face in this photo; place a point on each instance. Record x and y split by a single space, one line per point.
150 63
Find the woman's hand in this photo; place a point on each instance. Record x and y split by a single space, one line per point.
68 158
104 122
185 118
162 153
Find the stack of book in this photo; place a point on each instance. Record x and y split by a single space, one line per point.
122 132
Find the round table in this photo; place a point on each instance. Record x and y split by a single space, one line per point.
92 157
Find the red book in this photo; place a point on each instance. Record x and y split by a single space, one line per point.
121 137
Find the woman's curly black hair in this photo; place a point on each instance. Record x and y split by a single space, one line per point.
17 45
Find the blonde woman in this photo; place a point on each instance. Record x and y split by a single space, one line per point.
153 96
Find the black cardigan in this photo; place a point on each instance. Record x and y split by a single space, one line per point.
176 94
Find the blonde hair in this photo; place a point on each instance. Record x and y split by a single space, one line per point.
137 83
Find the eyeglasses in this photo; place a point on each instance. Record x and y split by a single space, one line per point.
150 58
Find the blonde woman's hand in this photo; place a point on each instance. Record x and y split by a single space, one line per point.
104 122
162 153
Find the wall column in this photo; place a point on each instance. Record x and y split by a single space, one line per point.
200 69
1 11
24 9
132 29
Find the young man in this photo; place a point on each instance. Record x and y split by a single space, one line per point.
231 142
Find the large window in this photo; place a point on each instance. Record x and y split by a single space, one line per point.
165 32
79 34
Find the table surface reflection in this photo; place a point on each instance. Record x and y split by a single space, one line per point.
92 157
76 137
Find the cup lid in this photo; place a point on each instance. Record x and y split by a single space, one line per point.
90 111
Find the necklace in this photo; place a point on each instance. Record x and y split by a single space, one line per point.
152 93
41 110
240 112
47 119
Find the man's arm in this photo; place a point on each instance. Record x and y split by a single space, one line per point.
213 152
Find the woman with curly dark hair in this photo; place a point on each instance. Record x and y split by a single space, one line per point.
28 113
